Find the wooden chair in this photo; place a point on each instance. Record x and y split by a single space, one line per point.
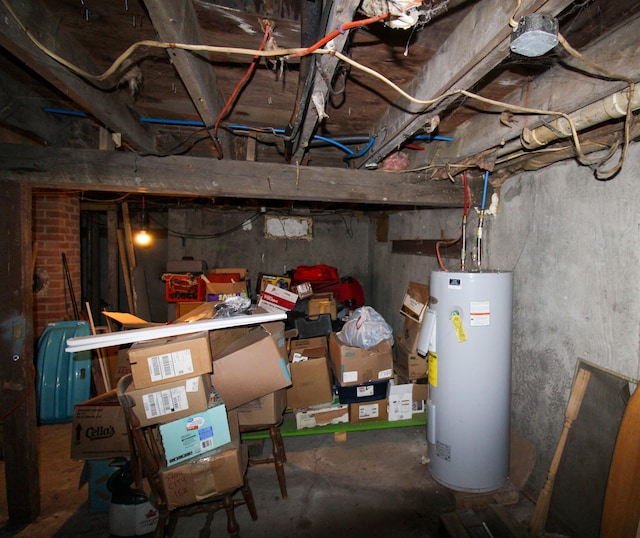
278 454
148 455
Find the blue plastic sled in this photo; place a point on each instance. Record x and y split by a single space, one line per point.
64 379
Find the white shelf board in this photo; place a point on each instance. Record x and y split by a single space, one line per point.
83 343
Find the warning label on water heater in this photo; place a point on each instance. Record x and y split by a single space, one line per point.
479 313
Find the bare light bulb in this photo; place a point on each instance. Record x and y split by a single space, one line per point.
143 238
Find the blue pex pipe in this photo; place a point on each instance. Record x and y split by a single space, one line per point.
484 190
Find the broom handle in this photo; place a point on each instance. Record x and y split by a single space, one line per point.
541 509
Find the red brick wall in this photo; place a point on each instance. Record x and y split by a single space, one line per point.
56 229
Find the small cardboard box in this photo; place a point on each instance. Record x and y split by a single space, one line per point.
169 401
99 429
201 477
415 301
274 299
196 434
264 410
355 365
367 411
322 415
409 363
400 402
367 392
96 474
157 361
310 375
253 365
227 288
322 303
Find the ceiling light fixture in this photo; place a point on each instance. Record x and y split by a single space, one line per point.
535 35
142 237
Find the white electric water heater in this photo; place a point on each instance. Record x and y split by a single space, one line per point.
467 334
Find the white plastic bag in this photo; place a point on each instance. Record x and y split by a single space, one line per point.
365 328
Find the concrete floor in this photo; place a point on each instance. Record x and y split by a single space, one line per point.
373 483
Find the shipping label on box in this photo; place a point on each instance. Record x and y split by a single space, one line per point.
274 299
400 402
99 429
157 361
169 401
196 434
415 301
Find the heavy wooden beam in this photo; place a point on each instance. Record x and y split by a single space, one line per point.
17 370
474 47
176 22
119 171
43 25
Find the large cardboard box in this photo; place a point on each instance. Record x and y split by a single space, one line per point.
196 434
310 375
410 334
99 429
117 363
169 359
409 363
415 301
322 415
198 478
220 339
169 401
252 366
355 365
368 411
263 411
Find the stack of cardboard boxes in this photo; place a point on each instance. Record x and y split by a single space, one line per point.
198 389
201 388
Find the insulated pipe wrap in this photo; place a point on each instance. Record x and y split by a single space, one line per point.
611 107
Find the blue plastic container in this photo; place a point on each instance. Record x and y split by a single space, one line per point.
64 379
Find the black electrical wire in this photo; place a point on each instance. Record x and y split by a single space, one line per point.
217 235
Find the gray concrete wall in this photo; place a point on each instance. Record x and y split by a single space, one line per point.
339 240
393 272
572 242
